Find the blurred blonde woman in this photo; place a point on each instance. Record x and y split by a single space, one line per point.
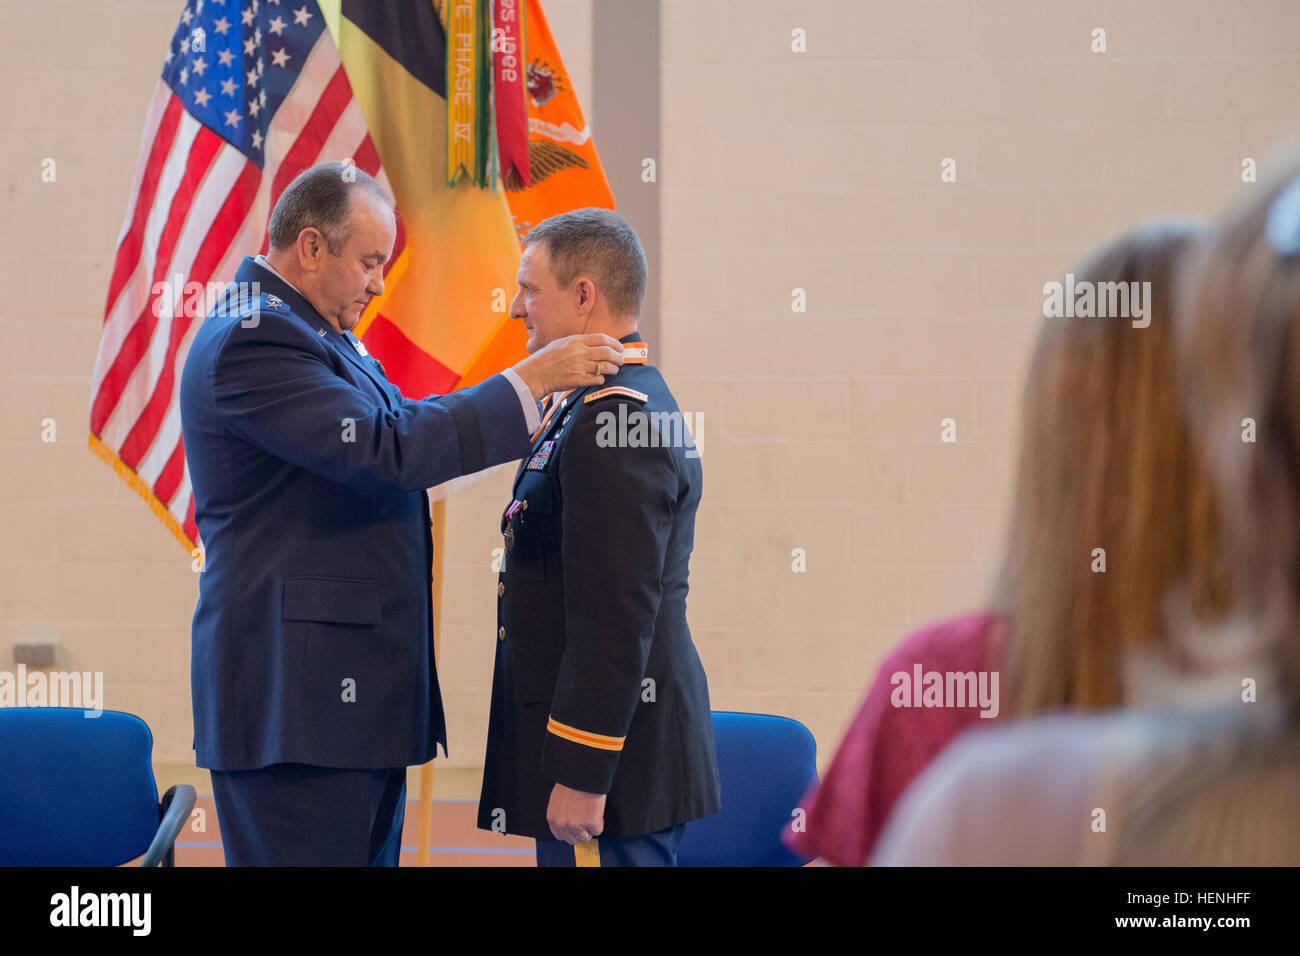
1104 463
1218 785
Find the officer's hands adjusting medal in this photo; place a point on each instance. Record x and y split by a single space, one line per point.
574 361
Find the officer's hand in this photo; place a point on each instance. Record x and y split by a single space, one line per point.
571 362
574 815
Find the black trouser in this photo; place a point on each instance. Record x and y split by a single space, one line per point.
291 814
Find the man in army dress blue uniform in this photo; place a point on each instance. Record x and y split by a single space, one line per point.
600 740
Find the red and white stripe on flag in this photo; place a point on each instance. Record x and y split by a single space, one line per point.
197 206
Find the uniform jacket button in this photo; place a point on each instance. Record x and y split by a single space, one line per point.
524 506
501 588
501 633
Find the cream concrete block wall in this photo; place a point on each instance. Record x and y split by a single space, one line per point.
820 171
84 564
778 171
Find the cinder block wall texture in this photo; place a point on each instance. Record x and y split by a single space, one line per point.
787 179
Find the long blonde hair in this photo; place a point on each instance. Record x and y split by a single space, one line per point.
1242 354
1104 463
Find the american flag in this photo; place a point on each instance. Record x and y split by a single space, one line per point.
251 94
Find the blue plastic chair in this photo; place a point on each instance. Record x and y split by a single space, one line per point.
767 764
80 791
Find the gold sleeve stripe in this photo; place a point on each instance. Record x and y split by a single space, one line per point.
584 737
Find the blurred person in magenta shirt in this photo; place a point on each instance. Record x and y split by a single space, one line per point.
1216 784
1104 462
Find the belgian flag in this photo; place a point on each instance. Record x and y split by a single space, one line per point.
441 323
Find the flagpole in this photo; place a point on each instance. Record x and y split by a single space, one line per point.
425 811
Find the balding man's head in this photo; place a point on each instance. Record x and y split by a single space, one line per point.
331 232
321 198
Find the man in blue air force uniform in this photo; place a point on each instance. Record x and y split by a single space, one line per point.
600 741
312 670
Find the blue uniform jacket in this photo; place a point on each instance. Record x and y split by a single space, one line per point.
313 635
597 683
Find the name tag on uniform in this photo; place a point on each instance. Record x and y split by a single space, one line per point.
539 461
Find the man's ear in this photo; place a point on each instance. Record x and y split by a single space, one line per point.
311 247
586 291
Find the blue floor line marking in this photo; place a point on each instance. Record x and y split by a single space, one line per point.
405 849
208 796
471 849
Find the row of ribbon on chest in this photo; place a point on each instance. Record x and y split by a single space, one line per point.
634 353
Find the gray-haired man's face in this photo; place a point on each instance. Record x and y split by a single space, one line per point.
341 286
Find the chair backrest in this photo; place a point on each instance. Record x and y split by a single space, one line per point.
766 764
75 790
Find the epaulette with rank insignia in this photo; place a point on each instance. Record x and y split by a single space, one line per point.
631 393
246 305
274 303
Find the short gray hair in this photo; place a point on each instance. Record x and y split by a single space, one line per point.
320 197
598 243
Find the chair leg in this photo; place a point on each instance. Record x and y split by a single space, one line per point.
169 858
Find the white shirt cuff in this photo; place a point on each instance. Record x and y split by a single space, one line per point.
532 417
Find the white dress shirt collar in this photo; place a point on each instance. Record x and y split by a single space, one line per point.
262 261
